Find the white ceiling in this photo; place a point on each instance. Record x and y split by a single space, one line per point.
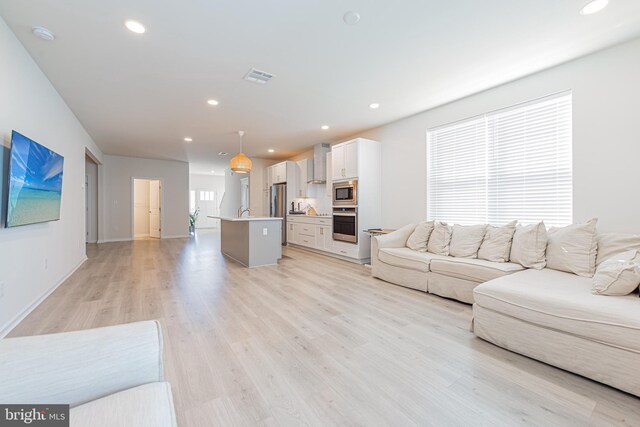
141 95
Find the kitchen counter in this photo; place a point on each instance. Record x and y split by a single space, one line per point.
251 241
245 218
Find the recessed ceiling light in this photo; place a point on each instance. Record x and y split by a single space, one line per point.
43 34
271 150
594 7
213 171
135 27
212 102
324 127
187 139
374 106
223 153
351 18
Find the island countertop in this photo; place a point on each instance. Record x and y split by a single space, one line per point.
245 218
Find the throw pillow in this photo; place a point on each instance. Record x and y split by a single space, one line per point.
465 240
440 239
610 244
573 248
618 275
529 246
420 236
496 245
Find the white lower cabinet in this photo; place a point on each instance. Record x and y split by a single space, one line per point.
311 232
316 233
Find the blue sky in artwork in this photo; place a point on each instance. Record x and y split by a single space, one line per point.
34 166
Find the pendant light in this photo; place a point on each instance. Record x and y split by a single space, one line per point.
240 163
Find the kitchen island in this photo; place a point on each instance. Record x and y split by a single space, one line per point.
251 241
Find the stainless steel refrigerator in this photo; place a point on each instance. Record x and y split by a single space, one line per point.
279 207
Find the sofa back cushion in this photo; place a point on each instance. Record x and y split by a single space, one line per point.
573 248
529 246
618 275
420 237
610 244
496 245
466 240
440 239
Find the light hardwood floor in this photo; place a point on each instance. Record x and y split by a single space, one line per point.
315 341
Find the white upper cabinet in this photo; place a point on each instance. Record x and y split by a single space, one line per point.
337 162
303 167
344 159
329 184
351 159
279 173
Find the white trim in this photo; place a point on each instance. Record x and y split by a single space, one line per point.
177 236
8 327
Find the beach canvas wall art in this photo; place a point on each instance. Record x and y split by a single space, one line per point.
35 183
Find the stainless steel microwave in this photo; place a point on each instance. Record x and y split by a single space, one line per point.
345 193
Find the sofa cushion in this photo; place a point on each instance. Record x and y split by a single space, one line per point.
610 244
529 245
440 239
618 275
573 248
475 270
420 236
407 258
466 239
564 302
496 245
147 405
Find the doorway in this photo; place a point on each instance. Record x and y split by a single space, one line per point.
91 200
147 208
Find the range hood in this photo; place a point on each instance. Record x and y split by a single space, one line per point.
318 173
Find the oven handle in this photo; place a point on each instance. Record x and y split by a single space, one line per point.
344 214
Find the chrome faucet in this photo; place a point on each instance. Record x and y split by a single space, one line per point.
242 211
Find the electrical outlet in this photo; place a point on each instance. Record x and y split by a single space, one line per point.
264 231
1 289
46 263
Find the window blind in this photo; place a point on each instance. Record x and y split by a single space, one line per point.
513 163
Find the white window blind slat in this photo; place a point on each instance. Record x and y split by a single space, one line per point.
514 163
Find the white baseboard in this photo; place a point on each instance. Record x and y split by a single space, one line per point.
177 236
8 327
121 239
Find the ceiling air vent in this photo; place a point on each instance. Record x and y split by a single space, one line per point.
257 76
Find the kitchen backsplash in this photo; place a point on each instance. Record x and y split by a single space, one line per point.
318 199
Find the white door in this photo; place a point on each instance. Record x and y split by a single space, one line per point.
337 162
351 160
154 209
208 207
86 208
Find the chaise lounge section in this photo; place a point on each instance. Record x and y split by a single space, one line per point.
555 316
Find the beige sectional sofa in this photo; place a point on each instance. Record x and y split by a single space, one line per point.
545 314
447 276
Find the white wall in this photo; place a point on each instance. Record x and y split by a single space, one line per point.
141 207
606 138
257 194
117 175
232 194
31 106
